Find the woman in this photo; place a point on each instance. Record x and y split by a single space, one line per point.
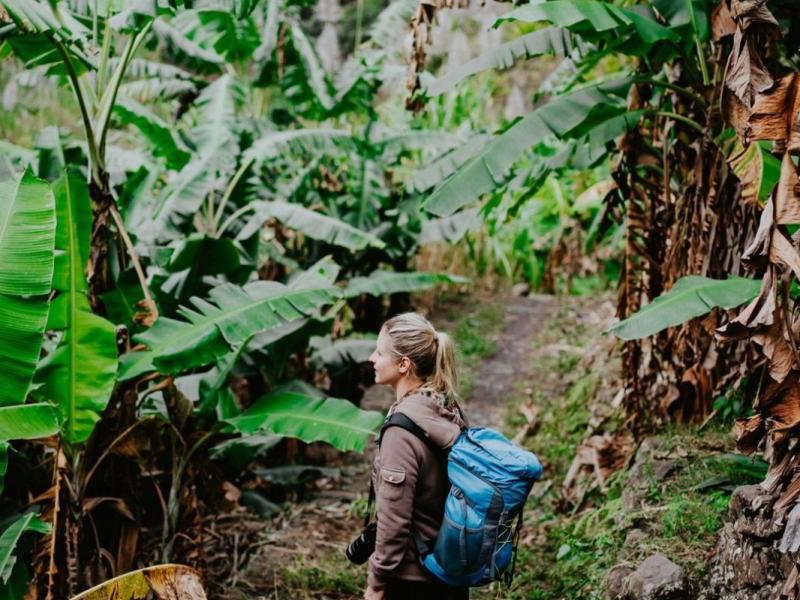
410 477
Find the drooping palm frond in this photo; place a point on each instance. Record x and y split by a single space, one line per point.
187 51
317 78
571 115
217 326
312 142
393 23
552 40
315 225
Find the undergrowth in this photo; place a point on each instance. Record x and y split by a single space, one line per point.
567 551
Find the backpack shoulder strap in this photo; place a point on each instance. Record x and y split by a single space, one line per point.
398 419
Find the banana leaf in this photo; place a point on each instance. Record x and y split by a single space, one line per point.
27 238
338 422
690 297
552 40
340 354
570 115
79 374
390 282
10 537
28 421
306 141
160 135
313 225
217 326
591 17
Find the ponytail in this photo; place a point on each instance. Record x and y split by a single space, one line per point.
432 354
444 377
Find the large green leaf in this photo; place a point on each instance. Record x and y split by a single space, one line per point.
79 374
28 421
27 230
190 187
314 225
27 238
570 115
450 229
390 282
332 420
10 537
39 30
392 23
157 132
215 119
439 169
22 326
216 327
305 141
690 297
188 51
430 140
316 76
552 40
340 354
591 17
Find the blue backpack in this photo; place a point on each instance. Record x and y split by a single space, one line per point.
490 479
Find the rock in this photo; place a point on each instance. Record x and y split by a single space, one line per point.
662 468
615 581
658 578
634 537
521 289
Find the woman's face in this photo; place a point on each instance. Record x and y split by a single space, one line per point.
387 366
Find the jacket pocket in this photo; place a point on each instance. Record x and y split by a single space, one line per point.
392 483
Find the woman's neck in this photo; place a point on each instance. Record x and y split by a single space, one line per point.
406 385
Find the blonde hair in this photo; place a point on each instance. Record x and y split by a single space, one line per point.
432 354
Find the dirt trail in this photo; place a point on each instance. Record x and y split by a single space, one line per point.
512 364
302 549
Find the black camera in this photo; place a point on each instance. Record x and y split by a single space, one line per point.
361 548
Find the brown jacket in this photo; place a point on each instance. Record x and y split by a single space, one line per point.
410 487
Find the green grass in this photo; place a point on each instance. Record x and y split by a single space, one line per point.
328 576
568 554
474 336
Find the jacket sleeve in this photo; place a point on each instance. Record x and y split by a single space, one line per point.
394 504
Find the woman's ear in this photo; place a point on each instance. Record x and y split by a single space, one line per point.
405 365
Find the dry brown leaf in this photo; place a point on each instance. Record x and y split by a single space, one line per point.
785 413
774 114
748 12
166 582
722 23
777 349
147 314
759 313
787 193
748 432
126 548
784 253
748 165
735 112
758 250
746 74
601 455
789 496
